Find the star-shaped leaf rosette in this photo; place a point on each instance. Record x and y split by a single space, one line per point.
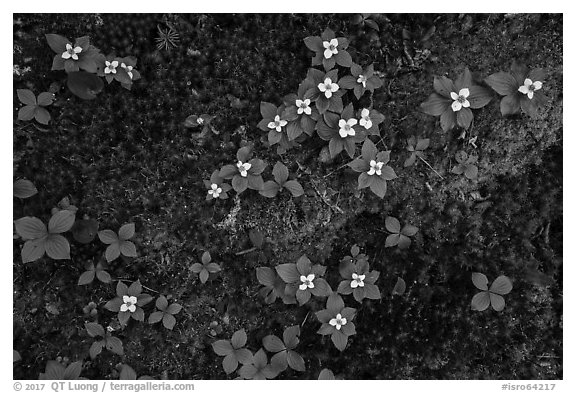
361 80
280 182
493 296
325 91
358 279
399 236
72 58
34 108
283 349
217 189
522 89
119 243
374 172
329 50
342 131
274 121
453 101
233 351
370 119
306 113
336 321
304 279
129 302
121 69
247 173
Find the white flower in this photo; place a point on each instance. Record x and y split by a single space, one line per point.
375 168
200 120
357 280
338 322
128 69
328 87
346 127
330 48
460 99
277 124
530 87
304 106
129 303
243 168
110 67
71 52
362 79
215 190
365 119
306 282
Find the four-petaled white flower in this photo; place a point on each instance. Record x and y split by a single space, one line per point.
362 79
530 87
346 127
277 124
365 120
460 99
215 190
307 282
110 66
129 303
338 322
128 69
71 52
304 106
330 48
243 168
375 168
328 87
358 280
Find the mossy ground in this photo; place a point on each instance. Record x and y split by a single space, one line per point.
126 157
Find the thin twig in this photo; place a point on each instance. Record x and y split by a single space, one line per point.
246 251
430 166
337 169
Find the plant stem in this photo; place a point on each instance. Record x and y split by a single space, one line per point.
246 251
430 166
337 169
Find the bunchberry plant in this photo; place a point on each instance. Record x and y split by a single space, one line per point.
24 189
361 80
258 368
336 321
341 131
522 89
98 271
72 58
274 286
34 108
203 121
233 351
274 121
284 350
325 91
272 187
493 296
57 371
304 279
103 340
466 165
306 113
358 279
205 268
64 204
374 172
40 240
129 302
363 20
416 148
326 374
370 119
85 230
121 69
399 287
119 243
399 236
247 173
217 189
165 312
329 50
453 101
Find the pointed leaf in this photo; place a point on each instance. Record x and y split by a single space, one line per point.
87 277
501 286
480 301
26 97
107 236
222 347
114 345
294 187
57 247
30 228
155 317
94 329
435 105
112 252
239 339
126 231
24 189
61 221
273 344
503 83
497 301
280 173
266 276
288 272
128 249
392 224
400 287
169 321
392 240
95 349
339 339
